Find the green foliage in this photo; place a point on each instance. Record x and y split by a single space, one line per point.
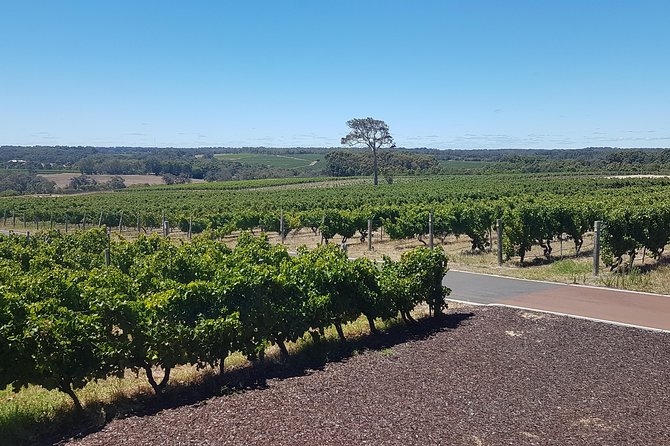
345 163
67 319
424 270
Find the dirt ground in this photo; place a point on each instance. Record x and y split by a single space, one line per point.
62 179
482 376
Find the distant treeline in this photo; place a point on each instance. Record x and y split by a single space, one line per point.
19 183
346 163
181 164
590 159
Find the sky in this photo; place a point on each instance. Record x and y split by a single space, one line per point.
441 74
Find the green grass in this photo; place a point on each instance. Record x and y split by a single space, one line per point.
276 161
569 267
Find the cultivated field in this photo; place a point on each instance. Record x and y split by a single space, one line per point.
63 179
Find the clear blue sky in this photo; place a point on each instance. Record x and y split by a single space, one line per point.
442 74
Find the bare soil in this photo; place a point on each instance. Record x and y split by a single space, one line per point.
482 376
63 179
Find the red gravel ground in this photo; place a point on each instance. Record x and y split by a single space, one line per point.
487 376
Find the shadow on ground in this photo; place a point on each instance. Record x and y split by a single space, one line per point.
312 356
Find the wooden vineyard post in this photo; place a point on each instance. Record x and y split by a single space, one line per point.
37 222
108 249
66 221
24 221
596 248
369 234
430 230
499 229
51 220
190 226
281 225
100 220
27 237
121 221
13 219
323 222
166 227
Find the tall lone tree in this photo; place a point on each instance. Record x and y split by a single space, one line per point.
373 133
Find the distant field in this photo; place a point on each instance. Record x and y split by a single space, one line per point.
278 161
62 179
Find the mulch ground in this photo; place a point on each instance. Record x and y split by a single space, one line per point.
486 376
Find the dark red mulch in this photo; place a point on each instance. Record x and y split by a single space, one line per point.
501 377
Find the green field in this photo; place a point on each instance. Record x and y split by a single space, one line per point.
276 161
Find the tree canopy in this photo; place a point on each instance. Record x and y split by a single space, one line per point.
372 133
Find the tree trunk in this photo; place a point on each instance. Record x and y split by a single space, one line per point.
340 333
67 389
282 349
158 387
371 322
437 309
374 156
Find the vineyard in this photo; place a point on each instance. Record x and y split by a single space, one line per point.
81 307
80 302
536 211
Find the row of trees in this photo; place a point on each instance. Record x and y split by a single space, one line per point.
342 163
66 317
18 183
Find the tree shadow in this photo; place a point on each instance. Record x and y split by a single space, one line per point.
312 355
540 260
654 264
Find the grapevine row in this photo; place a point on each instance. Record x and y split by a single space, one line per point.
67 317
535 211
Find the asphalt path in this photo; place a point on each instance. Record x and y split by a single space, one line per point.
485 289
644 310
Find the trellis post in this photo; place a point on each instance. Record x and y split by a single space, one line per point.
596 247
499 234
369 234
281 225
430 230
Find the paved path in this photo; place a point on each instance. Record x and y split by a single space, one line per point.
623 307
